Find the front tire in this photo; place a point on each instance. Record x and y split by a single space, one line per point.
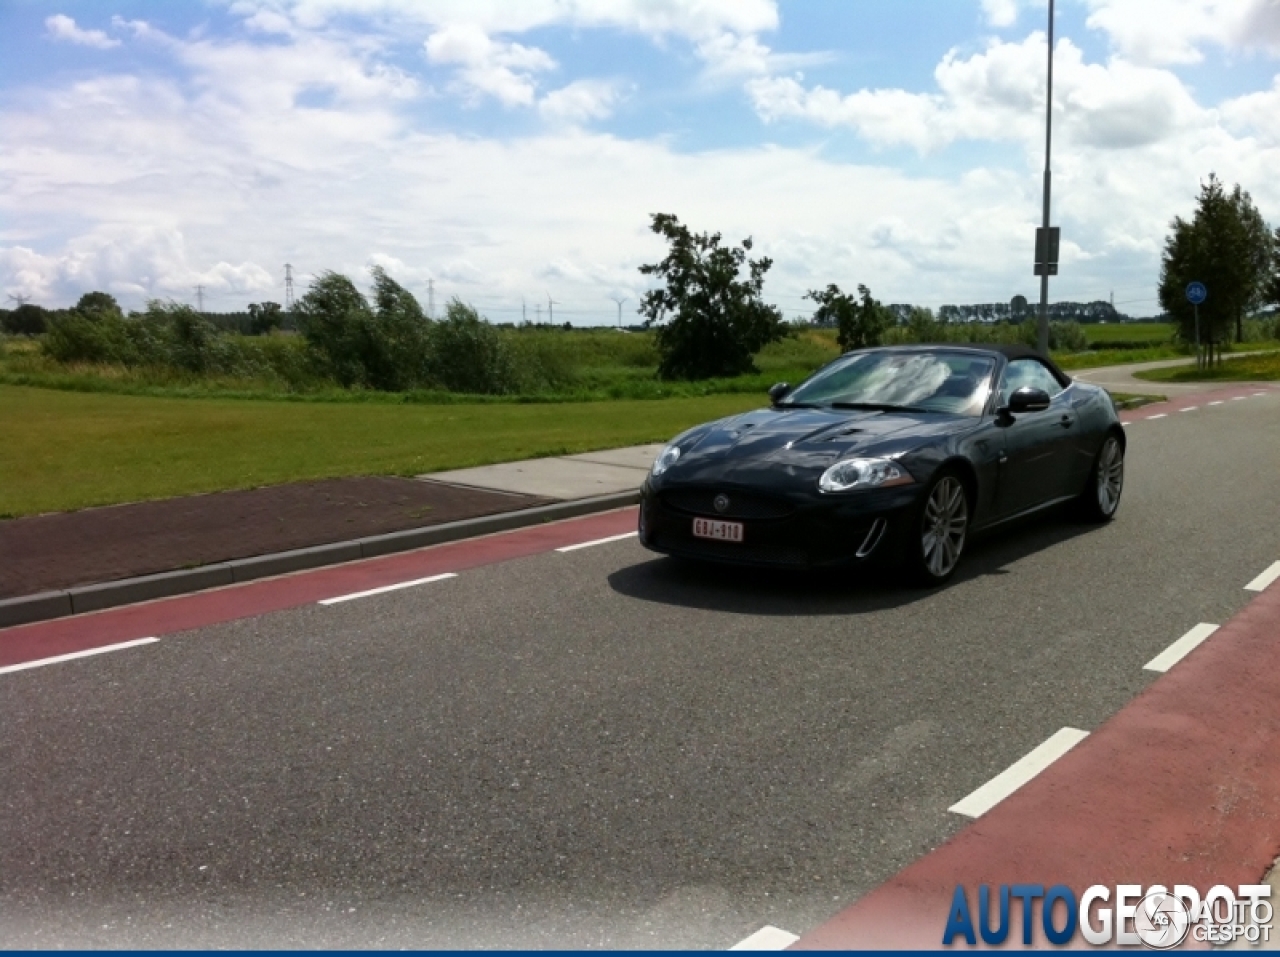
1101 495
939 531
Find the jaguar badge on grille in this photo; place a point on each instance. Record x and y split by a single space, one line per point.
721 502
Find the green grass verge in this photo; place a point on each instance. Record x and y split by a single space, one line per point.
1153 332
1265 367
67 450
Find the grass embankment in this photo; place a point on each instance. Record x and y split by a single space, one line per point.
578 366
1264 367
67 450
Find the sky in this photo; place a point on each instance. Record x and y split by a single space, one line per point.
511 152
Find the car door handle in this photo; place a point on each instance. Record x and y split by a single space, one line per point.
1066 422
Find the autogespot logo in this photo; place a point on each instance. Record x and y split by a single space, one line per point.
1130 914
1162 920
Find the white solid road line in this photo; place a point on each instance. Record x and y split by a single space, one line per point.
56 659
1019 773
1266 578
1160 416
767 937
1180 648
598 541
386 588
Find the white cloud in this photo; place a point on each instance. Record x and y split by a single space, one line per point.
998 95
1157 32
136 263
62 27
1000 13
579 102
691 19
489 67
1255 115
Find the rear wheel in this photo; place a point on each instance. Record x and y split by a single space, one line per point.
1101 495
940 530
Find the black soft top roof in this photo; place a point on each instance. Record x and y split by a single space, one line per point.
1026 352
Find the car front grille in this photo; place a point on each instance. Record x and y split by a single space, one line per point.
783 555
741 504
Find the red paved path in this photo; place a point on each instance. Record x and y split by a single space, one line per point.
165 616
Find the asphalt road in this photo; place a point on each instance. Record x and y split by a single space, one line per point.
601 747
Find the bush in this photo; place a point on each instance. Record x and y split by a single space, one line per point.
167 334
468 355
1063 336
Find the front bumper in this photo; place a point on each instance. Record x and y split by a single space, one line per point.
779 530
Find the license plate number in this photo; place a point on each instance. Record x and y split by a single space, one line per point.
720 531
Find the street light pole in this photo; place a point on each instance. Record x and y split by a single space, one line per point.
1042 326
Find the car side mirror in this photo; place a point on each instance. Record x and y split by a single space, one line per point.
778 390
1028 399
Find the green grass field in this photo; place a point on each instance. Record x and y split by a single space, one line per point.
1152 332
67 450
1259 368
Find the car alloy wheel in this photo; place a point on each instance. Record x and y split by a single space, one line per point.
943 527
1100 497
1109 476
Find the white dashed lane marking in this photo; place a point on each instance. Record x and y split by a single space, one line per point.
1160 416
598 541
1218 402
58 659
1180 648
767 937
1019 773
1266 578
386 588
1190 408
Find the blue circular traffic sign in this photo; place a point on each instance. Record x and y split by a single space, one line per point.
1197 293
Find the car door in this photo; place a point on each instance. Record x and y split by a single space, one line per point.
1037 445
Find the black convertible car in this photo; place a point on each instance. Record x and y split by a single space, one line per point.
887 454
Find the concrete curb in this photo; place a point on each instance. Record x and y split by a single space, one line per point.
84 598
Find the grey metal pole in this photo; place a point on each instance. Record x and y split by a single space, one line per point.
1042 327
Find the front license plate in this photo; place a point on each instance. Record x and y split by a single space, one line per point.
720 531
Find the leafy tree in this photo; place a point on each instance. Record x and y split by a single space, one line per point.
859 322
1222 246
264 317
357 345
1271 285
338 325
402 331
96 306
710 321
467 353
1256 249
27 320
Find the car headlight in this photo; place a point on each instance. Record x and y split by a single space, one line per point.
863 473
666 459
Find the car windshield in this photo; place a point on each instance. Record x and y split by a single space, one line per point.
950 382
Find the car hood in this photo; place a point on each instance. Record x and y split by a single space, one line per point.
800 442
